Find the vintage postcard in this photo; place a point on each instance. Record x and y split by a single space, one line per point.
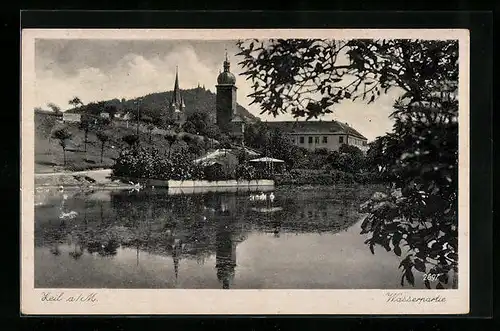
245 171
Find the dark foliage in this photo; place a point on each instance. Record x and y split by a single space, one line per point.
419 157
131 139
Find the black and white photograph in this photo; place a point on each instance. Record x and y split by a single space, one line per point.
264 161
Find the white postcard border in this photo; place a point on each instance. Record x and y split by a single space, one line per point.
254 302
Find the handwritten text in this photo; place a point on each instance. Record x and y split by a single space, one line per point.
62 297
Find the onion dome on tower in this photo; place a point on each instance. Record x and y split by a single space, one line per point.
226 77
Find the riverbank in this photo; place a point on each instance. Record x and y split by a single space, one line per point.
100 177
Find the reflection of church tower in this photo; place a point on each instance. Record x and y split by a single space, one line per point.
226 98
225 255
177 103
176 256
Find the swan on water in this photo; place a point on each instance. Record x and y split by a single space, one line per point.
72 214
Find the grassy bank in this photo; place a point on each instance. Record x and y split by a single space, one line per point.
49 153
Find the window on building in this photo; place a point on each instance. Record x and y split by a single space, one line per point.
325 139
316 140
310 140
341 139
301 140
364 143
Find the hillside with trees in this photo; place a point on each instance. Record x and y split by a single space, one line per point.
155 105
78 146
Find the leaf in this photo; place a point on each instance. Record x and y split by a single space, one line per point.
403 280
372 248
396 238
397 250
410 277
427 284
420 265
443 278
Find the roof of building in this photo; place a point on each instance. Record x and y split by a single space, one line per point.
267 159
214 156
316 127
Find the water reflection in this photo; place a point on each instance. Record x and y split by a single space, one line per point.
189 227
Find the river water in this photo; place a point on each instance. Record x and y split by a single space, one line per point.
304 238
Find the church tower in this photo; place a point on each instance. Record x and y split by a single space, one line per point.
226 98
177 103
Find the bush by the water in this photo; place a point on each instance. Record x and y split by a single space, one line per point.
141 162
150 163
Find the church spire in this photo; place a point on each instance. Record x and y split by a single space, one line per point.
176 96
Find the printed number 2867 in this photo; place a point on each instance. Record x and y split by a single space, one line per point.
431 277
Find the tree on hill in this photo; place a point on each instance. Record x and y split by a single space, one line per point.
86 125
111 110
422 209
103 137
94 108
63 135
75 102
55 108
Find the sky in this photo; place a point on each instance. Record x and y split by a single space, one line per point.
97 70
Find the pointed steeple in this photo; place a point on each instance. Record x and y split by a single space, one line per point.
177 102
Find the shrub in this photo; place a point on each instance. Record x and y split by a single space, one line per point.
131 139
245 171
144 163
